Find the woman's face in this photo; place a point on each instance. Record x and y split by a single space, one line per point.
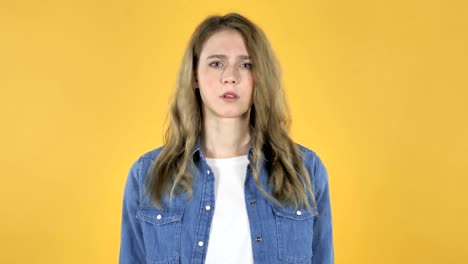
224 76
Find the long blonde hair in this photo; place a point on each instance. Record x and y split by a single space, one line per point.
269 122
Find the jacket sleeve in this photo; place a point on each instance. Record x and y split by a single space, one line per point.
131 237
323 236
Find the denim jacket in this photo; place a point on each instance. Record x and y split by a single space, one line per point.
179 232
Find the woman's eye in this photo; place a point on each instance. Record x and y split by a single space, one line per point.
247 65
215 64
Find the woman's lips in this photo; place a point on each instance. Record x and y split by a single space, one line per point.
230 100
229 97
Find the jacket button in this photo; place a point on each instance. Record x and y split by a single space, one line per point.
253 202
200 243
259 239
208 172
159 217
298 212
207 207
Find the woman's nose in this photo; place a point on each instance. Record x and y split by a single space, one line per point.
229 80
230 76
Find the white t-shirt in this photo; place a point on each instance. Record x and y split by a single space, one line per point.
229 240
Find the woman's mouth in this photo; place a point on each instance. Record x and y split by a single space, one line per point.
229 97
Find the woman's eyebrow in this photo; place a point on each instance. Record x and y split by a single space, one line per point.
220 56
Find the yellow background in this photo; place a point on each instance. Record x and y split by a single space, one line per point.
377 88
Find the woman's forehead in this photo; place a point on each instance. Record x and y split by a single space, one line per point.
227 43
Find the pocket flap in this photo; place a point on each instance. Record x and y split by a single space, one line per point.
159 217
295 214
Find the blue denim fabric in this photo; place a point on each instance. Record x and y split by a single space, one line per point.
173 234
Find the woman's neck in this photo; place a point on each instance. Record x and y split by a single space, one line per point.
225 138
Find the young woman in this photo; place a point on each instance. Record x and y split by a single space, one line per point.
229 185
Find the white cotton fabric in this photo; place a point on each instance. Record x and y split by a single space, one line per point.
229 240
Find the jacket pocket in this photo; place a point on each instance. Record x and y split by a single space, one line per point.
161 230
294 229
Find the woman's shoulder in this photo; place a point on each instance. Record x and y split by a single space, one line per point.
305 150
308 155
144 162
314 164
151 154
